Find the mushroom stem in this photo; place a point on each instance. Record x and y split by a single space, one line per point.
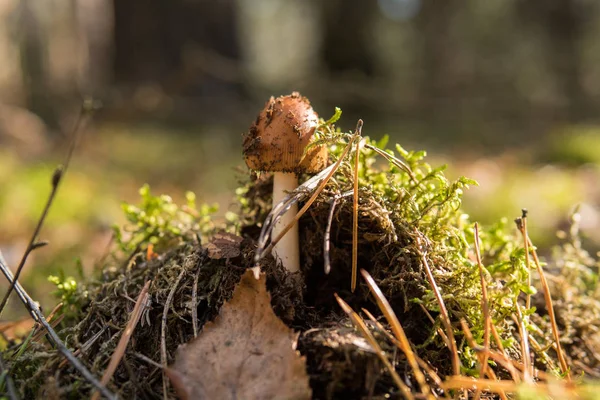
287 249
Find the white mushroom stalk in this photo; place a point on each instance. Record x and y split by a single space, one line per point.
277 142
288 248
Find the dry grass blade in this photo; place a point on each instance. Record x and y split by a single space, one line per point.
394 160
461 382
523 229
316 192
355 220
550 307
423 364
485 308
483 354
327 236
392 319
443 310
364 330
134 318
526 354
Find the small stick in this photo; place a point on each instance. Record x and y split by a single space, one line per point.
355 221
163 332
399 333
59 173
364 330
486 311
38 316
443 311
134 318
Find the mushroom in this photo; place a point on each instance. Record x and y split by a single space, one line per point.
276 142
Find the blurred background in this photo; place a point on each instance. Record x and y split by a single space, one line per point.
504 91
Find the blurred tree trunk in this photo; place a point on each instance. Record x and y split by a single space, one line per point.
562 26
33 66
437 52
154 39
347 34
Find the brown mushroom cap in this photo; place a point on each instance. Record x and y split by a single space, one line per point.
278 138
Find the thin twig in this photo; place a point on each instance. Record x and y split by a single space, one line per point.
148 360
163 331
443 310
364 330
355 220
57 176
195 303
38 316
396 326
134 318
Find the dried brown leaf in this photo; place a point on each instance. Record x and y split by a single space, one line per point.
224 245
246 352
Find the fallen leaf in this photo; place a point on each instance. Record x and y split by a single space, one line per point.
245 353
224 245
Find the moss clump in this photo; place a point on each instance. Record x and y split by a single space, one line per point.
408 212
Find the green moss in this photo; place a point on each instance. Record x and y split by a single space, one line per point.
408 211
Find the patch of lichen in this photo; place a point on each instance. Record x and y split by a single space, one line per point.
404 217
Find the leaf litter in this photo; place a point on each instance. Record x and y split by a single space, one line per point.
246 352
